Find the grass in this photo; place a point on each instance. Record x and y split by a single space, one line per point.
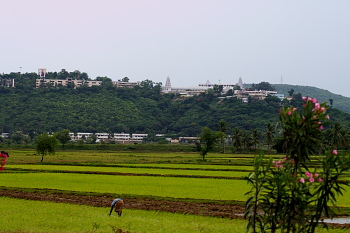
130 157
212 189
31 216
36 216
136 170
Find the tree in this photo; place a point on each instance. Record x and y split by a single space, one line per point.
337 137
208 139
218 88
264 86
223 127
230 93
45 144
247 141
331 102
63 136
291 92
292 194
256 138
106 82
269 135
125 79
237 138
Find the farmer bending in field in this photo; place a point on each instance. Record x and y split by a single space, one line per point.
4 155
118 204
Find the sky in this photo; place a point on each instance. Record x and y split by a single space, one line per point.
299 42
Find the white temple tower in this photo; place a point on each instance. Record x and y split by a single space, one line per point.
240 83
167 87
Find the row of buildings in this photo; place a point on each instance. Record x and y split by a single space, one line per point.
239 93
43 82
238 89
117 137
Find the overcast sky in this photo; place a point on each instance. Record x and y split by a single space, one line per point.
301 42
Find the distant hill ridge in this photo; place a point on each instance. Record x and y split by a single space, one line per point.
340 102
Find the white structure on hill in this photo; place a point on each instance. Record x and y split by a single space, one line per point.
190 91
118 137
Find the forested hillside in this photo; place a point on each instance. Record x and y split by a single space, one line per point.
134 110
338 101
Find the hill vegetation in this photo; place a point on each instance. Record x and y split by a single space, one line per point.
337 101
143 109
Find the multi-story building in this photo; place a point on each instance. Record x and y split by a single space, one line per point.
126 84
118 137
66 82
7 82
191 91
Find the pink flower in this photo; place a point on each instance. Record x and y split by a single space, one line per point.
320 179
312 180
321 127
328 117
316 175
289 113
317 105
309 174
302 180
294 109
314 100
309 99
335 152
323 109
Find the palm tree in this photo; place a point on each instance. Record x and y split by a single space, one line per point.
269 135
339 137
247 141
223 127
256 138
237 138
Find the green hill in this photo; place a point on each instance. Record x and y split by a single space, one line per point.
141 109
339 101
